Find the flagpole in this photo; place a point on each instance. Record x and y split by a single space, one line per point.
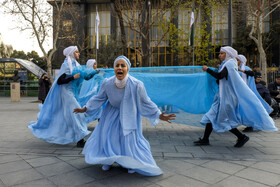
97 32
191 41
193 56
96 54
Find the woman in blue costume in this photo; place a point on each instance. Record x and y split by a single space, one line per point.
234 103
90 88
248 77
87 85
56 121
118 136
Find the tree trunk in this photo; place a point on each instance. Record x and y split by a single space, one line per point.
49 69
121 22
261 50
263 62
145 60
146 46
259 43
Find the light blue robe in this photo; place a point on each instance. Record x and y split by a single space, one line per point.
56 121
252 85
235 104
118 136
88 89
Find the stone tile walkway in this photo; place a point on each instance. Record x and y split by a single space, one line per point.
28 161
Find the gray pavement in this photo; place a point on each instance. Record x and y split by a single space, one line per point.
28 161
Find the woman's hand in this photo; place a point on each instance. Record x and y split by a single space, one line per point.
204 68
80 110
168 117
240 69
76 76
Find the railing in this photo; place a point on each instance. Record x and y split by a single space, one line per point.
27 88
272 73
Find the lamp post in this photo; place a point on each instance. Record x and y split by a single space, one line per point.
149 17
229 23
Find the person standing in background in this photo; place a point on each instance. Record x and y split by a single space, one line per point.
44 87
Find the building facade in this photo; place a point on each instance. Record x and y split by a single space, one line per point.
211 32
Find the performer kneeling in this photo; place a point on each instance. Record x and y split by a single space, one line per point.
118 136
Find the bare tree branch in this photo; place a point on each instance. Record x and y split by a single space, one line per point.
36 16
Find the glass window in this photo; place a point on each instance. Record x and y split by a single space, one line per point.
220 25
104 12
67 25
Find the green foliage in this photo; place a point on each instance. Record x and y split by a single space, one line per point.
5 50
203 46
19 54
203 33
107 53
213 63
34 57
172 33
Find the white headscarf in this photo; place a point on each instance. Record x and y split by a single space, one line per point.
90 63
243 61
230 52
69 53
122 83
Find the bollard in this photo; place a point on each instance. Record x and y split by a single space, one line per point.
15 91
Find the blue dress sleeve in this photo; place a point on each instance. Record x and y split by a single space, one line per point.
96 101
146 107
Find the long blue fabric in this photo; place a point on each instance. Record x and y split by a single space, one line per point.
85 89
186 87
184 90
56 121
187 91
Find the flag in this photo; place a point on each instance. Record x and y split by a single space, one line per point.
191 41
97 20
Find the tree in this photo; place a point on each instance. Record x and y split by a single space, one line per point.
36 16
5 50
259 10
19 54
122 28
244 45
108 53
34 57
204 48
136 16
203 30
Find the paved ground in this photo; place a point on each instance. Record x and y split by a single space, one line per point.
28 161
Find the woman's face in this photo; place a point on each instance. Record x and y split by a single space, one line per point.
94 65
222 56
258 79
121 69
77 54
238 62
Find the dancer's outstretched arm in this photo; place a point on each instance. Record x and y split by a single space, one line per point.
80 110
168 117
